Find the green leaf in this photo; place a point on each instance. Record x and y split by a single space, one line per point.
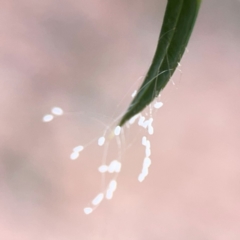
178 23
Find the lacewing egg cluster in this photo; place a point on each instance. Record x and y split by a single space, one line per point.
114 167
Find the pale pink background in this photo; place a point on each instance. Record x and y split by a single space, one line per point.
84 56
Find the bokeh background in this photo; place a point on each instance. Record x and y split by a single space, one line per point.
87 56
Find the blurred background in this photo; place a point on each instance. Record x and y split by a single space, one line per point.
87 57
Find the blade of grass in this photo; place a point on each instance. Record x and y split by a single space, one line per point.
178 23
